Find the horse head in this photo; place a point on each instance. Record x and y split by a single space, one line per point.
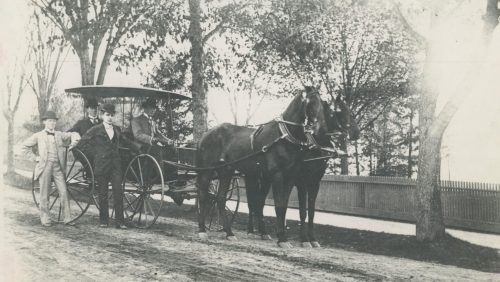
315 121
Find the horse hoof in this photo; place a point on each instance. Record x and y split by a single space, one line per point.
203 236
306 245
285 245
266 237
315 244
232 238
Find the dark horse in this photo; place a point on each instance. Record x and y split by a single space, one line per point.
310 173
274 151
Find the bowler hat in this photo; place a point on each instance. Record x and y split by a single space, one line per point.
108 108
149 103
49 115
91 103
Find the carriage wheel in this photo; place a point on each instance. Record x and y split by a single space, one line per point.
143 191
214 218
80 184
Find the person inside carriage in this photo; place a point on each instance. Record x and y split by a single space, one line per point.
146 131
92 119
83 125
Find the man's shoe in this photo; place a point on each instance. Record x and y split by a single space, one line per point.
48 224
103 225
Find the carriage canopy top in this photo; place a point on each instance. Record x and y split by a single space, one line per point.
102 91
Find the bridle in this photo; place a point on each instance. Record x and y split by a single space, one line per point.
307 126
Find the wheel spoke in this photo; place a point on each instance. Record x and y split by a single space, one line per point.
54 192
131 203
135 174
140 212
60 211
55 200
138 206
140 172
70 169
80 170
71 195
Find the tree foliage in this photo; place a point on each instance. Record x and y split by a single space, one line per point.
99 30
355 51
48 53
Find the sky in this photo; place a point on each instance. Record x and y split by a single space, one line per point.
471 144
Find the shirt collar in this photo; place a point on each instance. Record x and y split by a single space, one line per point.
91 117
107 126
49 131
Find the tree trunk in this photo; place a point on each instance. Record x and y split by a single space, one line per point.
490 19
86 70
10 146
410 146
104 67
200 108
357 156
430 223
344 160
43 106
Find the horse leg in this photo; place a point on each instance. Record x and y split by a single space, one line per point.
203 182
224 182
313 193
281 192
251 192
302 192
265 185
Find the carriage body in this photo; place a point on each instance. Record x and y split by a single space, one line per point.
145 181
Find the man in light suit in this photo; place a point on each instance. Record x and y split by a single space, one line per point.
51 163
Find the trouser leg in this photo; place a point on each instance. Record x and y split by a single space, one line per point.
45 181
102 182
60 181
116 183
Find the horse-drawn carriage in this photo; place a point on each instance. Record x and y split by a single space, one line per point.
285 152
145 183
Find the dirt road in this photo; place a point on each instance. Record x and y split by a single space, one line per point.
171 251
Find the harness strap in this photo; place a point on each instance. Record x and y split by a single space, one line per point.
332 153
288 136
281 120
253 135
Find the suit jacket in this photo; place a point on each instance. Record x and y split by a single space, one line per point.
105 151
39 139
83 125
143 130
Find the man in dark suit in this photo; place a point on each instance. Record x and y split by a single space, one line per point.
103 141
92 119
154 142
146 131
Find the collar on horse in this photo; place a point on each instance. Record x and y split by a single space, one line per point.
287 135
311 141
